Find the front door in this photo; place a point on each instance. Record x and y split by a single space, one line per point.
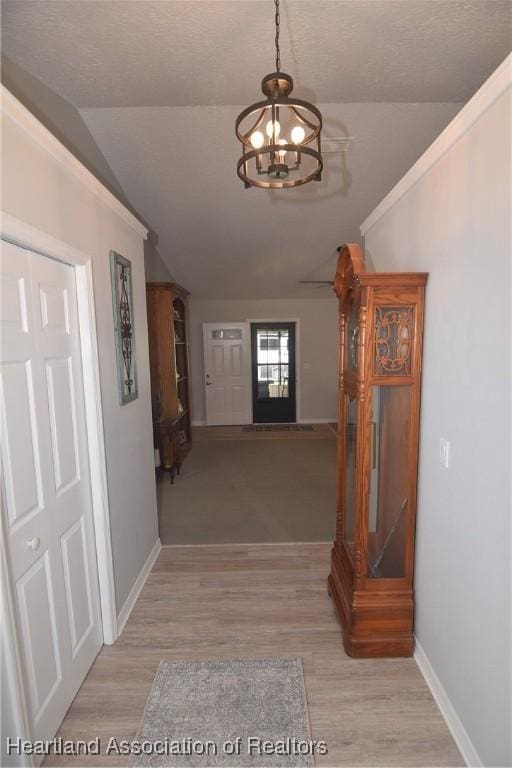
47 513
227 371
273 372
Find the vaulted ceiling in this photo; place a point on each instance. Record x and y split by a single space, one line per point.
159 85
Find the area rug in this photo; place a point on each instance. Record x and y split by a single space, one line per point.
248 712
278 428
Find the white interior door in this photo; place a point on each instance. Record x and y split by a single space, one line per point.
47 518
227 369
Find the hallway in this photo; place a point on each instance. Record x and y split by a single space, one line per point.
260 601
252 487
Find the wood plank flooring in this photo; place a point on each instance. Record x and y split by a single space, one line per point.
234 601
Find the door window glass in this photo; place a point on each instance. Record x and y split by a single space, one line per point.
229 334
273 363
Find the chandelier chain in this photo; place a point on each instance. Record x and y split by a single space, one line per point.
278 24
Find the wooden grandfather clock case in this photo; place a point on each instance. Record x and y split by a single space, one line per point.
372 561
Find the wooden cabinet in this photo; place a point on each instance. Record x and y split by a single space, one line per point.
168 359
372 563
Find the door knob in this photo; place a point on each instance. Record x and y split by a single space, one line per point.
34 543
208 383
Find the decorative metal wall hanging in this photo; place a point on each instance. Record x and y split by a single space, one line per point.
122 298
280 136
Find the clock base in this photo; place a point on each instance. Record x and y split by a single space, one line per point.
375 623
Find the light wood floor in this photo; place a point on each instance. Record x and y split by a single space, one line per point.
228 602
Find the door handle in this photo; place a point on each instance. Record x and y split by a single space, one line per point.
208 383
34 543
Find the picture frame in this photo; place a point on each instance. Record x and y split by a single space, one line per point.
122 302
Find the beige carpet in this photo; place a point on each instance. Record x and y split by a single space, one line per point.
238 487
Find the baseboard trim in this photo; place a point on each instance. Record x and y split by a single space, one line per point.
250 544
334 419
453 721
124 613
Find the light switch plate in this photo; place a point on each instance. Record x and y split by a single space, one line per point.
444 452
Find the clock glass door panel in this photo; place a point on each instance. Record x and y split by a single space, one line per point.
349 501
352 348
389 481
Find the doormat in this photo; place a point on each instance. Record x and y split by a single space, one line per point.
249 712
278 428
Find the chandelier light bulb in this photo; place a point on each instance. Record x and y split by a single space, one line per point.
298 134
282 152
257 139
273 128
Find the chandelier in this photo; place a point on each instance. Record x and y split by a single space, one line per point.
280 136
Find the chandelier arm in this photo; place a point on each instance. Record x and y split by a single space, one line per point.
301 118
256 125
283 102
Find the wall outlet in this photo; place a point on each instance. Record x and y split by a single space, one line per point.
444 452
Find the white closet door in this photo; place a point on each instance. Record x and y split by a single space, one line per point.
47 511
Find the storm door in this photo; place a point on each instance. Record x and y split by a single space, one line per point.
273 372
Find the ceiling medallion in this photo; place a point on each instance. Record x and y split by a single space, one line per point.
280 136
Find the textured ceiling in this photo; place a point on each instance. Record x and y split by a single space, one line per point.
214 52
159 84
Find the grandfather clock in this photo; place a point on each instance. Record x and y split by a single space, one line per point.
372 562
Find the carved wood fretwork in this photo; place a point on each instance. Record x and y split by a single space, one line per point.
394 331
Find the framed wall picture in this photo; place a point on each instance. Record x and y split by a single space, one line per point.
122 299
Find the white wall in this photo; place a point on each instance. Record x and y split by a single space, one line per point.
42 192
317 348
62 119
451 217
